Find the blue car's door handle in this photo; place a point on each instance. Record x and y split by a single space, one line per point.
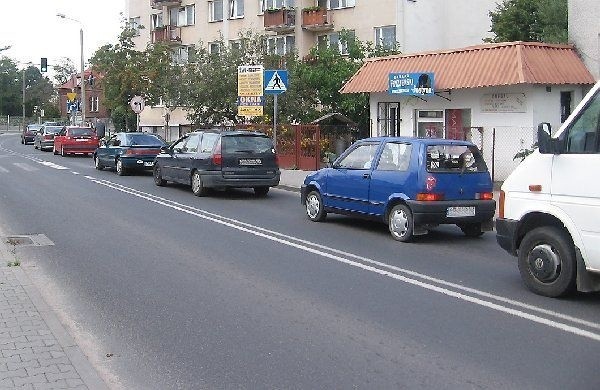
366 175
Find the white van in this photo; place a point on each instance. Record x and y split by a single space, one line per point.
549 208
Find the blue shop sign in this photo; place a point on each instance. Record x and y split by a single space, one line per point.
414 84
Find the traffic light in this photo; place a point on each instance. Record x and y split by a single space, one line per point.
44 65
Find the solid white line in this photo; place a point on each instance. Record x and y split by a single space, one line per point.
427 286
4 170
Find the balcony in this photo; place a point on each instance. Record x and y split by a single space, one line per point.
158 4
166 34
281 20
316 19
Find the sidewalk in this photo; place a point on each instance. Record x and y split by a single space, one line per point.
36 352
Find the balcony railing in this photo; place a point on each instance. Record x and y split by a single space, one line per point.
281 20
166 34
316 20
158 4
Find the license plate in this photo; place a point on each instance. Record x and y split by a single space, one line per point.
147 163
250 161
458 211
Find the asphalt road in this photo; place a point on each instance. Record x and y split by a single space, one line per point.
165 290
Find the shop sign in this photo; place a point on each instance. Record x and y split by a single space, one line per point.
411 84
504 102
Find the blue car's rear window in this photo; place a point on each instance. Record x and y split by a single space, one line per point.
454 159
142 139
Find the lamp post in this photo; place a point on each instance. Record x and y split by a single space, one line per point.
82 84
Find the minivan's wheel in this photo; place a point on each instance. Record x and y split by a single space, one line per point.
471 229
400 223
121 170
261 191
547 261
314 207
158 180
197 187
98 164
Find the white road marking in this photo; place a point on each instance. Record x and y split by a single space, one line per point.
52 165
344 258
75 173
26 167
3 170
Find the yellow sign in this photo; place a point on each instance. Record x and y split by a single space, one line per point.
250 110
71 96
250 80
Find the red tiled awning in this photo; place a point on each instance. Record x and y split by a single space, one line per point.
479 66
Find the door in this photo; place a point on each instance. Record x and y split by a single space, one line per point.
575 184
108 153
169 161
349 180
184 159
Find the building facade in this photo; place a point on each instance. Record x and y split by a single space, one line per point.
94 107
584 32
414 25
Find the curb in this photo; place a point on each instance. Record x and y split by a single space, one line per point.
78 359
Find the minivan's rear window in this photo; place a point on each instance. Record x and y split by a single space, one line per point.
454 159
246 144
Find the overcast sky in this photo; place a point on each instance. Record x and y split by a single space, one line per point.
34 31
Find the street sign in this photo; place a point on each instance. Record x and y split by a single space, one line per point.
412 84
276 81
137 104
71 96
250 90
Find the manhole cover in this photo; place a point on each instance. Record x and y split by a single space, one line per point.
28 240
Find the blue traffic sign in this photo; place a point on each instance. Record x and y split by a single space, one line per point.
275 81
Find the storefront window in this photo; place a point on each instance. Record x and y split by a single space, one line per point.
430 124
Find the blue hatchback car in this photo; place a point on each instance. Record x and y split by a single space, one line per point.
412 184
127 152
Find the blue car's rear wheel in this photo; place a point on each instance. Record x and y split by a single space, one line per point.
400 223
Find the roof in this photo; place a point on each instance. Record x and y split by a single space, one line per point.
488 65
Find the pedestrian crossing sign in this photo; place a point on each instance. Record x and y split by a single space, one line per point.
276 81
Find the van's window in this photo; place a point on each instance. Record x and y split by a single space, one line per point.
191 146
394 157
208 142
582 135
246 144
361 157
454 159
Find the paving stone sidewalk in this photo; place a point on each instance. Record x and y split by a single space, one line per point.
36 352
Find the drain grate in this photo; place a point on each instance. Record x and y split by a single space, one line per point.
28 240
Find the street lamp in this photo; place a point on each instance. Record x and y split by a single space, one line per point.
63 16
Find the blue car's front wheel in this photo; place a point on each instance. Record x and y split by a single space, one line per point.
314 207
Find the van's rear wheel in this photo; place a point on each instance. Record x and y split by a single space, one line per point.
547 261
401 223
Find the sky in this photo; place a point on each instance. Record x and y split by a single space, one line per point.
33 30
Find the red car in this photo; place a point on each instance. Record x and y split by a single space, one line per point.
75 139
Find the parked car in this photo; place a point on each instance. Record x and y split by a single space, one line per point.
44 137
28 134
549 208
75 139
126 152
219 159
412 184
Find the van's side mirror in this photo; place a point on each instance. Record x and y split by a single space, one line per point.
544 138
165 149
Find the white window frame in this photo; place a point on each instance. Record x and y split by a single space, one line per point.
212 6
94 103
380 38
340 4
235 44
236 9
156 21
286 42
135 23
436 120
181 54
264 5
214 47
333 40
182 16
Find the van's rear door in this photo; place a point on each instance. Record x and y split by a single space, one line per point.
248 155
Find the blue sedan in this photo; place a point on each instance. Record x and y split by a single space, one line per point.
126 152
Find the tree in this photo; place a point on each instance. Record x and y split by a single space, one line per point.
63 70
10 87
530 21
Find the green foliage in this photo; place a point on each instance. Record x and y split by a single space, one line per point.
10 87
63 70
530 21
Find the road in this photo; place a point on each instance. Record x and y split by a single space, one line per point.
166 290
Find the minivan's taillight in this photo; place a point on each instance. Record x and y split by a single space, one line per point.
484 195
429 197
217 157
501 205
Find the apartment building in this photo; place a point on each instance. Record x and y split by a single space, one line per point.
415 25
584 32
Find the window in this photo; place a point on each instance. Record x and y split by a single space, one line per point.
235 44
182 54
361 157
156 21
336 40
182 16
215 11
281 45
430 124
385 37
191 146
264 5
394 157
337 4
388 119
94 103
208 142
582 136
454 158
236 9
134 24
566 99
214 47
